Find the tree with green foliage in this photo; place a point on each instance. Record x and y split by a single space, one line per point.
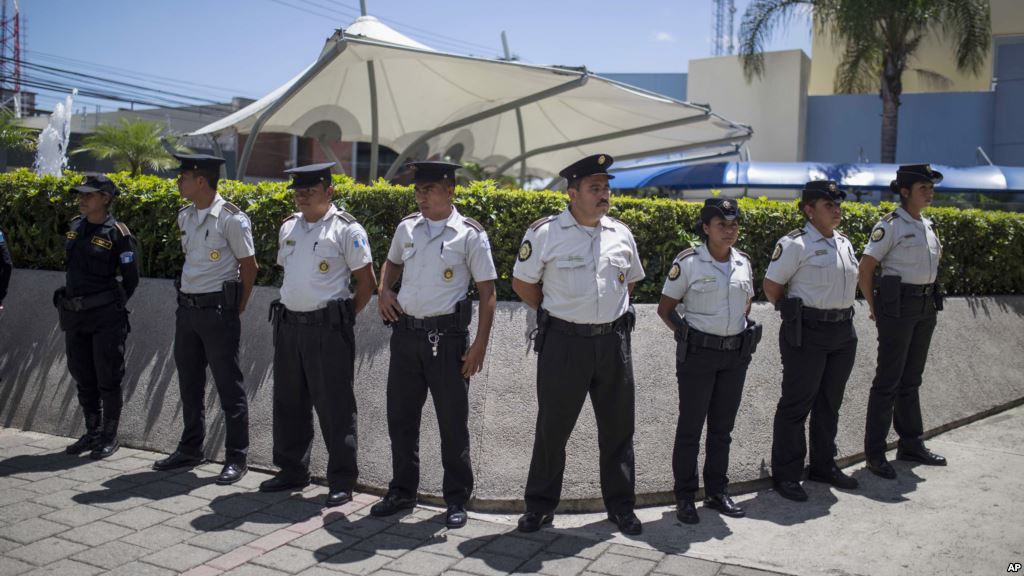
132 144
14 136
878 39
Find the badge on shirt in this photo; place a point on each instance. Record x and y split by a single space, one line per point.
622 277
525 251
102 242
448 274
674 272
324 266
215 255
1 237
877 234
778 252
72 235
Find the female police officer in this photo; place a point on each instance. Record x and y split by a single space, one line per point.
905 244
92 312
812 280
715 284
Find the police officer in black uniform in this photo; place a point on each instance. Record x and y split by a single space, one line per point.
6 265
904 307
578 270
92 312
219 272
711 284
812 280
321 248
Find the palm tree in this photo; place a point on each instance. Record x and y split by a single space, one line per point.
14 136
133 144
878 39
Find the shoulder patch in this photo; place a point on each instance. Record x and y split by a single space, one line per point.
797 233
542 221
345 216
685 254
123 228
231 208
890 217
878 233
413 215
472 224
778 252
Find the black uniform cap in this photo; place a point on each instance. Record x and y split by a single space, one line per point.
596 164
204 162
822 189
97 183
721 207
910 173
432 171
306 176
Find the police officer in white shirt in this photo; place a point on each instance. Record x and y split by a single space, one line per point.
219 272
812 280
712 285
577 269
904 310
436 253
321 248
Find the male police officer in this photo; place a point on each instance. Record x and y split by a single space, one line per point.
320 248
435 252
220 268
588 264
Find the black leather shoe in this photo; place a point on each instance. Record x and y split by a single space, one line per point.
627 522
456 516
881 467
338 498
231 473
90 440
686 512
920 455
533 521
176 460
104 448
835 477
391 504
724 504
280 483
790 490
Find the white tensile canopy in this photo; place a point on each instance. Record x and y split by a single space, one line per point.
372 84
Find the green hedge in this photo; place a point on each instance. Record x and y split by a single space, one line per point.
984 251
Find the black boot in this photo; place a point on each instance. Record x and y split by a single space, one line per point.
107 444
90 439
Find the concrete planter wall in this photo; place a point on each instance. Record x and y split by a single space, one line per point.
976 365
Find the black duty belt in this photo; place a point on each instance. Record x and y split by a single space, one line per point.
919 290
207 300
431 324
704 340
82 303
314 318
573 329
820 315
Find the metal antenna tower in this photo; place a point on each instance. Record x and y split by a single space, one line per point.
723 28
10 58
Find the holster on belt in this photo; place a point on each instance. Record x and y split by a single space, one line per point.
791 311
464 313
938 296
751 338
540 332
232 294
630 318
274 316
682 334
887 296
58 303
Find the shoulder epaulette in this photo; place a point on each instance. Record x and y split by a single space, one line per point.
231 208
744 254
541 221
840 233
890 216
413 215
345 216
123 229
797 233
685 254
472 224
291 216
183 208
76 219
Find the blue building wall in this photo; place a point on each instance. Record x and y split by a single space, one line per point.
1008 133
672 85
944 128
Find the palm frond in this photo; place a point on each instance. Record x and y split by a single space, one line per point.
969 24
932 78
760 22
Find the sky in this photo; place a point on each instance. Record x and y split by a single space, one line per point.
216 49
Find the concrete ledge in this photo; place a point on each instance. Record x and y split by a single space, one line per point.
976 366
